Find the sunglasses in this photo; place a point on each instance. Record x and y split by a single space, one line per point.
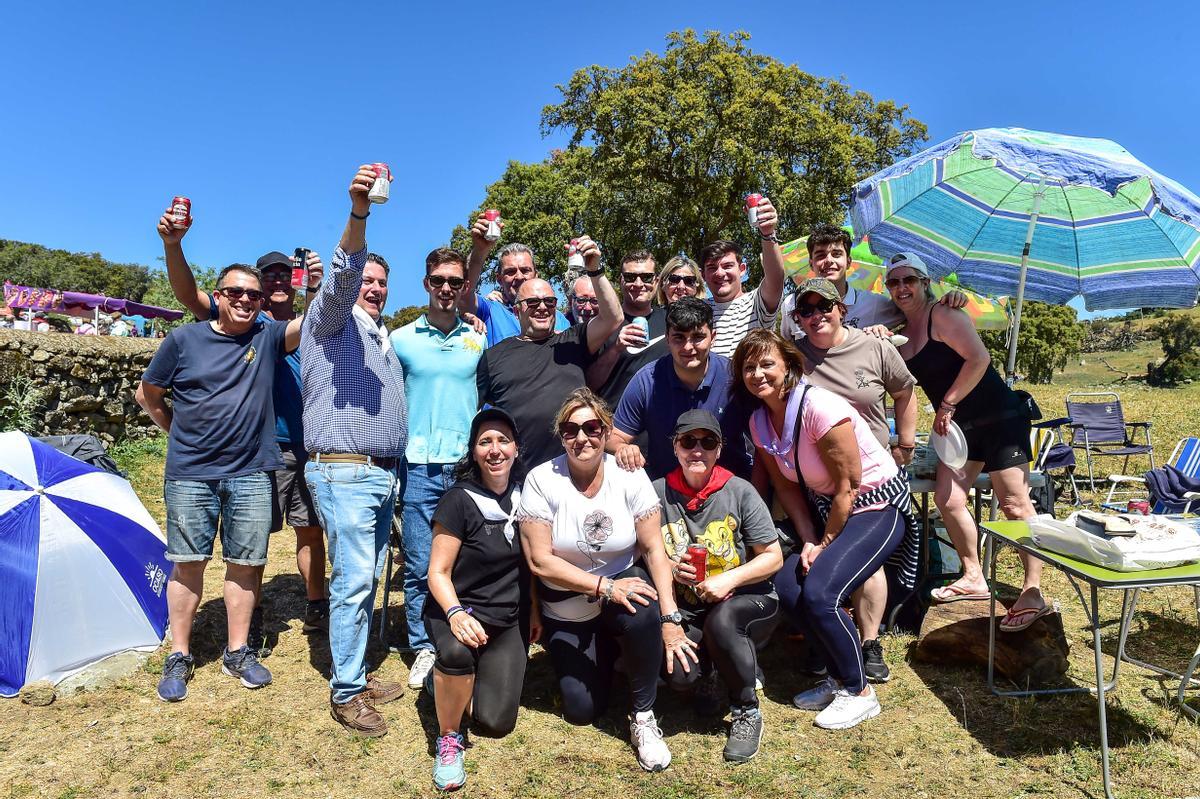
687 280
708 442
546 302
897 282
633 277
437 281
592 428
809 308
237 292
586 301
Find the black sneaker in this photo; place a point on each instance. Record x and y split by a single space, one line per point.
316 616
873 665
708 697
745 733
256 637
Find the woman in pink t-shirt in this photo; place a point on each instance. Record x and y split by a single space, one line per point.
803 431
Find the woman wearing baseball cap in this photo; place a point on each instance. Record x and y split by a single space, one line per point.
954 368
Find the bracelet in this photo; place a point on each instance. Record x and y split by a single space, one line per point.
458 609
356 216
608 589
771 237
599 582
596 273
906 447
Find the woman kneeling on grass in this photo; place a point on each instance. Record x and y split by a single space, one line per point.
482 619
732 606
806 432
591 535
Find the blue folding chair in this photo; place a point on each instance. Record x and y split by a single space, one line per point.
1185 457
1050 452
1099 429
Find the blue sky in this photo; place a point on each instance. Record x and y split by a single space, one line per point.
260 112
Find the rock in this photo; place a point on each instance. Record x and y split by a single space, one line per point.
38 694
40 356
104 672
81 405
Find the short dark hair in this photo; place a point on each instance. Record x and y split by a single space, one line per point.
246 268
718 249
825 233
757 342
373 258
637 255
444 255
688 313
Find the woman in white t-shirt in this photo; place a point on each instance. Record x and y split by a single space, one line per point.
590 531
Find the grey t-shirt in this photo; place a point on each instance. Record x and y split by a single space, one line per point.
862 370
728 523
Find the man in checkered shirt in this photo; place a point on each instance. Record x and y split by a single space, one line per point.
355 429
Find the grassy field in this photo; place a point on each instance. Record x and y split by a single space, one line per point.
941 733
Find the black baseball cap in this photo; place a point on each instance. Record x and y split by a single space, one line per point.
273 259
492 414
697 419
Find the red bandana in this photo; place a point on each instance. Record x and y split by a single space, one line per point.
716 481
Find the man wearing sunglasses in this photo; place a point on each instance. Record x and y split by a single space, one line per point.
529 375
515 267
291 500
829 257
583 300
689 377
221 451
642 338
439 351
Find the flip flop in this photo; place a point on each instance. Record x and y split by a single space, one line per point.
956 593
1027 616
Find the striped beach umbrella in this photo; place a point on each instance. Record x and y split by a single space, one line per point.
1040 215
83 566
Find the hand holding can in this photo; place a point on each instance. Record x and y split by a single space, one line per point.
381 188
752 201
300 268
493 229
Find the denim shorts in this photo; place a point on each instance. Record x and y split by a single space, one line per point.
240 507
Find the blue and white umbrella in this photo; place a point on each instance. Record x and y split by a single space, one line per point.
83 567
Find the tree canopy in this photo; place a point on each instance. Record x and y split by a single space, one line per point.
663 150
42 267
1050 337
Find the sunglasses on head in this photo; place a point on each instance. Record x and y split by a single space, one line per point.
897 282
708 442
546 302
437 281
633 277
592 428
687 280
805 310
237 292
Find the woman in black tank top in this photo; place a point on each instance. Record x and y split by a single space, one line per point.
949 361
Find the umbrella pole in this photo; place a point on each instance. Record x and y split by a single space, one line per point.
1011 367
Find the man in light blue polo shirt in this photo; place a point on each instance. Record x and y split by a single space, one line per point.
515 267
439 352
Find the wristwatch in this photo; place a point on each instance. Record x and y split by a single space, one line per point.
673 618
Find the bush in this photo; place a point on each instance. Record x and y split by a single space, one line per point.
1179 336
20 405
1050 338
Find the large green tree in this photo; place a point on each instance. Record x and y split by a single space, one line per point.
663 149
1050 337
41 267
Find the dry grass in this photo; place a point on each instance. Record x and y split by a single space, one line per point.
941 734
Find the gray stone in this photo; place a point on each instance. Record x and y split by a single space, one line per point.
104 672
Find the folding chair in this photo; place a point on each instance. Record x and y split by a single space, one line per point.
1098 427
1185 457
1051 452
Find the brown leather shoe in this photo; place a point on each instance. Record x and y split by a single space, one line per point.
381 692
359 716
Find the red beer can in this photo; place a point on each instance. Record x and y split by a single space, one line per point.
1138 506
698 557
181 211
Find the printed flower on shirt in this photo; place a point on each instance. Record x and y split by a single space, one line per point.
597 527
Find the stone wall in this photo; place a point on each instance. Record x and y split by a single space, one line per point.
87 382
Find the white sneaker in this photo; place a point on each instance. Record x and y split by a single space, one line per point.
647 738
420 668
819 696
847 710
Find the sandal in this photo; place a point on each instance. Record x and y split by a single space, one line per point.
1016 620
956 593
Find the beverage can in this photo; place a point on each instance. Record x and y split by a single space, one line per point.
300 273
752 201
493 228
381 188
642 323
1138 506
181 211
698 557
574 259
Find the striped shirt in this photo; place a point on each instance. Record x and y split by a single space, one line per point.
734 319
352 380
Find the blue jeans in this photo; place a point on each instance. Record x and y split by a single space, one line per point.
355 503
424 486
241 505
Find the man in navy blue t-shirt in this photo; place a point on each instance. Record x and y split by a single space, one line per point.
221 449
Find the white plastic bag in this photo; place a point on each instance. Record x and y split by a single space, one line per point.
1159 542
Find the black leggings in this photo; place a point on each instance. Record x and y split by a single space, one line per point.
816 599
729 633
498 666
583 653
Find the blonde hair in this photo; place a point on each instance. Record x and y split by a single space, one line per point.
678 262
583 398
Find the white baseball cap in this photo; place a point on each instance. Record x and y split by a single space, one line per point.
909 259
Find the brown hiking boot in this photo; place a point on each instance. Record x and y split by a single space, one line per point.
381 692
359 716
